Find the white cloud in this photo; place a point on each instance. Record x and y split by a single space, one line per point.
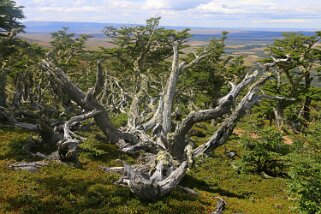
69 9
235 7
264 11
173 4
282 21
122 4
209 13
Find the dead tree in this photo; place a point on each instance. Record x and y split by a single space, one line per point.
88 101
68 146
169 151
19 85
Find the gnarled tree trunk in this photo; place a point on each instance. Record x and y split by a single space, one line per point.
169 152
88 101
19 82
3 83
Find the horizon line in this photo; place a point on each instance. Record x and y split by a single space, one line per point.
183 27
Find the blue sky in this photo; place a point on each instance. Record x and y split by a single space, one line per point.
305 14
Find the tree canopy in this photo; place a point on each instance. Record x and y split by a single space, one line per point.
10 18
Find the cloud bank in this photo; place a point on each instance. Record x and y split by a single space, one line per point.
201 13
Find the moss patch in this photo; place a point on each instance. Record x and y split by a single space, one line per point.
64 189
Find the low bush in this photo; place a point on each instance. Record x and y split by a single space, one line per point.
265 154
305 183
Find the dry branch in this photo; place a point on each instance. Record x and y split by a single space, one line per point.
31 167
225 103
102 119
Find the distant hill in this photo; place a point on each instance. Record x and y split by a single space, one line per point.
75 27
236 36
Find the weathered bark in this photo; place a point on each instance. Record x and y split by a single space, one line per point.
41 87
221 136
220 206
23 84
68 146
3 83
151 186
87 102
252 97
48 135
28 84
99 85
113 96
188 190
162 173
156 186
170 91
278 114
19 83
6 116
305 111
43 128
31 167
155 121
154 178
134 115
224 105
177 69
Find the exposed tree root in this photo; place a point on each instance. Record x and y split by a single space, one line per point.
188 190
220 206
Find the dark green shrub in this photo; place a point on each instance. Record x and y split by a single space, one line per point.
305 172
305 183
313 136
119 120
265 154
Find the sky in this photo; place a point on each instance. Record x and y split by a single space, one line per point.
286 14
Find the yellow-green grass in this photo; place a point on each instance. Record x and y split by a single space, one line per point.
60 188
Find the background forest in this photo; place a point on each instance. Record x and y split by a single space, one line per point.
152 124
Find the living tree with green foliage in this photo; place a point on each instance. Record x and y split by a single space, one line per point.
21 71
141 48
205 83
25 72
295 77
140 59
10 16
69 52
305 172
10 25
267 154
66 50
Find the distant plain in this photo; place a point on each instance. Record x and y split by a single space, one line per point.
250 43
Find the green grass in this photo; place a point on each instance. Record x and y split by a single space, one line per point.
63 189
